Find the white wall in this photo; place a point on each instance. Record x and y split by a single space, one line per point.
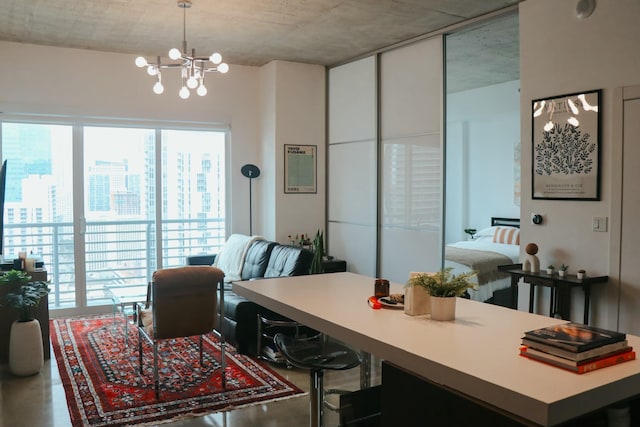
561 54
41 80
295 102
486 122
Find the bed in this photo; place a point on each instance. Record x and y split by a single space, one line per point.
496 245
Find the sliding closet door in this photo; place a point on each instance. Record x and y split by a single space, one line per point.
411 159
352 165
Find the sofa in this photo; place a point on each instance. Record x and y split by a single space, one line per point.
251 258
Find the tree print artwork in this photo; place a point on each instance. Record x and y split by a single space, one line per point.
564 150
565 147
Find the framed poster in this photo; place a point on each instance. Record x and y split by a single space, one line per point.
300 163
566 147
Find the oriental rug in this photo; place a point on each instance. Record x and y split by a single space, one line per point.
104 387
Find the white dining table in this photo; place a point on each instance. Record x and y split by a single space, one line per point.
475 355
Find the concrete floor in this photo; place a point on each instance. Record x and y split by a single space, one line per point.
39 401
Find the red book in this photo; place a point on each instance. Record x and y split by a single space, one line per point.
582 366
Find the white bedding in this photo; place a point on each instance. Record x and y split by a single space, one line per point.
485 291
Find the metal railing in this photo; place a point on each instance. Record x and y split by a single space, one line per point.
118 254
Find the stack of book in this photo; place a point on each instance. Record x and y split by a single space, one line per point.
578 348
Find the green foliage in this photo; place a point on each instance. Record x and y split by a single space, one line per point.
470 231
443 283
564 267
21 293
318 255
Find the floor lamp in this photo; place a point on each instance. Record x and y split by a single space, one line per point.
250 171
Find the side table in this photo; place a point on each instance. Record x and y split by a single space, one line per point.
124 300
560 303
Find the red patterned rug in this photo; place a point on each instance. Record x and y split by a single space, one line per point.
103 385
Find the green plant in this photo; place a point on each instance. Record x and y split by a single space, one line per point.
563 267
551 267
443 283
22 293
318 254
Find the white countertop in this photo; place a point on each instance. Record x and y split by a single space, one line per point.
477 354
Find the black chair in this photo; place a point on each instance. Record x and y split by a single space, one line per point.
316 354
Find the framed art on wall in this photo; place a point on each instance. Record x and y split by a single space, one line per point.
566 147
300 168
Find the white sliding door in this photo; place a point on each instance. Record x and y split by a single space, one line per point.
352 166
411 159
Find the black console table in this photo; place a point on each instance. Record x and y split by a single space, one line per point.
560 288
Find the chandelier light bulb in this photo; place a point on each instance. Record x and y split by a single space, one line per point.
192 82
151 70
223 68
158 88
174 54
141 62
184 92
202 91
216 58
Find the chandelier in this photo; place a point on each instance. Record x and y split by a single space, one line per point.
192 68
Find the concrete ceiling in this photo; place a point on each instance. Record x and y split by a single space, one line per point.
246 32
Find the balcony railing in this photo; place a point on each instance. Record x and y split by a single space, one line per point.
117 254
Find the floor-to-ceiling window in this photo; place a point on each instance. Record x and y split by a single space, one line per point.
104 206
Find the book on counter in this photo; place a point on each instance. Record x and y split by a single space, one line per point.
576 356
580 367
574 337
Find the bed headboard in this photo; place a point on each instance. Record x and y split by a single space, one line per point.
511 222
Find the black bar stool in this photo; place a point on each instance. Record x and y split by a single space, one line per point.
316 354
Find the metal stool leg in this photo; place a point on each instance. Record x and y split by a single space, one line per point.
316 398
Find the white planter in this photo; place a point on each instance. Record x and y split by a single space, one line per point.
26 355
580 275
417 301
561 273
443 308
549 270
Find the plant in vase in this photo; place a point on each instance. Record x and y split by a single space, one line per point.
562 271
26 355
443 288
581 274
471 232
550 269
318 253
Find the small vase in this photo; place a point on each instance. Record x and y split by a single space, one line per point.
549 270
443 308
417 301
561 273
580 274
26 355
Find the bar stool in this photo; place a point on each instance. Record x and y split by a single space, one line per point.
316 354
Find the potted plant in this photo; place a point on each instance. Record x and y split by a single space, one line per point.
581 274
443 288
471 232
26 355
550 268
318 254
562 271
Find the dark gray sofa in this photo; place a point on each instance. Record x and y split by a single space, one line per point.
263 259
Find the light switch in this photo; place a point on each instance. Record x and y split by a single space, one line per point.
599 223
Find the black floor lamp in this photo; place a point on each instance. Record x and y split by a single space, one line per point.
250 171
